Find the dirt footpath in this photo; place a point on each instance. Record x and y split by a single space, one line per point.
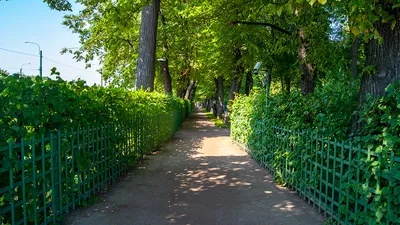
199 177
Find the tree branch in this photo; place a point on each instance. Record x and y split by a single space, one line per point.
129 42
263 24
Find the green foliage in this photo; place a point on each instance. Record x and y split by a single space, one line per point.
317 138
84 137
61 5
4 72
218 122
381 119
32 106
328 111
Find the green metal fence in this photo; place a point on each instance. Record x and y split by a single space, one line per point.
348 184
43 178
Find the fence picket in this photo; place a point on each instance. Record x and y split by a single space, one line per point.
66 168
330 174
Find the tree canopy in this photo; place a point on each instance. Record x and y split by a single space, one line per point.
300 43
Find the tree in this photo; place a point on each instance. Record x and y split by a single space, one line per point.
109 31
145 70
164 62
61 5
382 35
4 72
219 83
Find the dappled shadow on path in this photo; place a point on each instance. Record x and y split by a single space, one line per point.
199 177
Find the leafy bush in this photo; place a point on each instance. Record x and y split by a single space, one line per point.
328 111
30 105
75 139
381 120
307 143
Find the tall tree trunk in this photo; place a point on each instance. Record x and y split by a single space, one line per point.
249 83
354 58
287 85
235 85
268 79
219 82
385 58
189 89
183 83
179 92
307 77
166 77
147 47
164 63
193 93
208 104
238 72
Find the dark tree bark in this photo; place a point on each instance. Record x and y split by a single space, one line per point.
238 72
263 24
193 93
235 86
166 77
354 58
179 92
164 63
189 89
287 85
208 104
249 83
219 82
307 76
307 82
268 79
385 58
183 83
147 47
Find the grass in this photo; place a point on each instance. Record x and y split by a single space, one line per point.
218 122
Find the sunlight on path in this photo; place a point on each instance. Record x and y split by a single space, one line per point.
199 177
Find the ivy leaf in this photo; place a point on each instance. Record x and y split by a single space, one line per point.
375 163
396 6
355 31
323 2
396 190
379 214
279 11
393 24
6 163
312 2
397 175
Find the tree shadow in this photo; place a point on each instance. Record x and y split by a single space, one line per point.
198 177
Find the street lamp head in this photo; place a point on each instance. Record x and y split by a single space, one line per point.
40 55
25 64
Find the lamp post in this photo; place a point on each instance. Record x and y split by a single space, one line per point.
40 55
20 70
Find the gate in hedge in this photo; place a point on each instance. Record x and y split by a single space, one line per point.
348 184
43 178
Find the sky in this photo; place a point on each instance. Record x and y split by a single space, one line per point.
34 21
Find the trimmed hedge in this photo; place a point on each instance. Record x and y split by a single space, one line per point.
308 145
32 105
62 142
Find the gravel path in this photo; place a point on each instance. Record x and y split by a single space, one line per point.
198 177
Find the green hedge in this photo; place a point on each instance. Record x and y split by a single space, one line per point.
354 178
31 105
62 142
